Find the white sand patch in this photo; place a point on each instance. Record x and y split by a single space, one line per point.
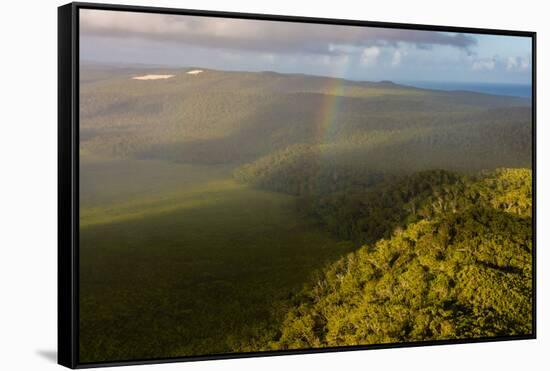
194 72
152 77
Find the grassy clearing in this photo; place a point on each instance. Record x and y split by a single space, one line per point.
106 181
199 271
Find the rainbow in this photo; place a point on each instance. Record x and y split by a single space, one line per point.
326 118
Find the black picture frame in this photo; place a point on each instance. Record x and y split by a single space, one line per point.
68 178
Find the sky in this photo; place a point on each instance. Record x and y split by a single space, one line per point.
357 53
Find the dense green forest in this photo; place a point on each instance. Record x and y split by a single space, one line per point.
248 211
454 262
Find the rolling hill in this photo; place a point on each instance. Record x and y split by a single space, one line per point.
236 117
456 264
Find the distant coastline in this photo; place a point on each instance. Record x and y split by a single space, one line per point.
514 90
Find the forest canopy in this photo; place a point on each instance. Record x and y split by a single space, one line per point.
458 265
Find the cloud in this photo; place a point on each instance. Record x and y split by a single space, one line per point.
253 35
498 63
518 64
398 57
370 55
487 64
335 60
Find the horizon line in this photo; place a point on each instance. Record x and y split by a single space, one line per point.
181 66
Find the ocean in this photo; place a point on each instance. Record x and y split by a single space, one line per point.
516 90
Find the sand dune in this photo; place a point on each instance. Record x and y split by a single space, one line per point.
152 77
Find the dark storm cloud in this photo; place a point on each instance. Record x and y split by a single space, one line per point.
262 36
